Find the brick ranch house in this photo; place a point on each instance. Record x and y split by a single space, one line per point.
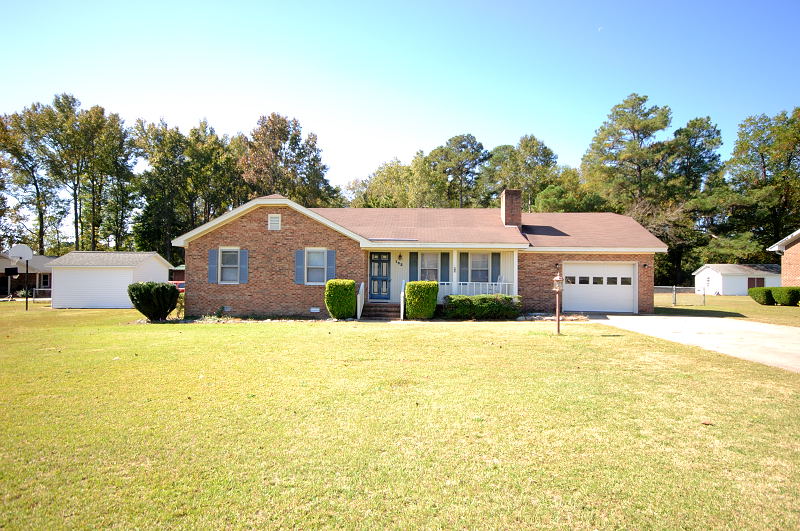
789 249
272 256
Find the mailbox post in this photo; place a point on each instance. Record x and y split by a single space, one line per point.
558 286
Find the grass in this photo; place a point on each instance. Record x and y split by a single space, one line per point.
727 306
318 424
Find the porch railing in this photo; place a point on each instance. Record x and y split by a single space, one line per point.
360 301
474 288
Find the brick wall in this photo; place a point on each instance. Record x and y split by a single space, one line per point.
536 272
511 207
270 289
790 265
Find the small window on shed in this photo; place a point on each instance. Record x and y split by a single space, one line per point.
625 281
583 280
274 222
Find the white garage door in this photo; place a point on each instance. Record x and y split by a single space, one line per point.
599 287
95 287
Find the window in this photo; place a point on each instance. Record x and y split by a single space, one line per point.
597 281
228 265
315 266
569 280
44 281
429 266
479 267
625 281
611 281
754 282
274 222
583 280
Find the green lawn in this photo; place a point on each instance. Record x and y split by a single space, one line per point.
727 306
460 425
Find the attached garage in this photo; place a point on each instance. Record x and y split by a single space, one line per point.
600 287
89 279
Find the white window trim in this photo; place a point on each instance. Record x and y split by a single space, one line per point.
219 265
324 265
271 218
488 268
438 265
41 281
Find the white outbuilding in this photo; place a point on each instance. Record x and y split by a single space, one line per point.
735 279
100 279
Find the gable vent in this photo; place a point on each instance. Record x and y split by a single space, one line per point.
274 222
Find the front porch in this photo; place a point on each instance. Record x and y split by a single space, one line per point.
458 272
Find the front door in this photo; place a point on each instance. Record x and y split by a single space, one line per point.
379 275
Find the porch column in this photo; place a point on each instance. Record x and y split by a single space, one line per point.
516 272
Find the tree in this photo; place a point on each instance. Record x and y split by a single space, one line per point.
120 195
459 160
164 214
21 152
278 160
764 174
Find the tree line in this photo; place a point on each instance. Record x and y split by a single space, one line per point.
137 187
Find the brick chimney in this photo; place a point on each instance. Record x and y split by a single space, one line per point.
511 207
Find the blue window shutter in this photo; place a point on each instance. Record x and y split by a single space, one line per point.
413 266
299 266
331 273
463 267
444 268
212 266
495 272
243 265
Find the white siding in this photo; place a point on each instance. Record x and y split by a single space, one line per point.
709 281
91 287
151 269
737 284
773 281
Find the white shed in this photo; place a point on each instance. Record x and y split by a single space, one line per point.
100 279
735 279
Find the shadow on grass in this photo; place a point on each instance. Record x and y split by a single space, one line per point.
697 313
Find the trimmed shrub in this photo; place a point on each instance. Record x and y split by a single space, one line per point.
762 296
482 307
155 300
340 298
421 298
788 296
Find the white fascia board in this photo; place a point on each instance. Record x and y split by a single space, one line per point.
597 250
781 245
231 215
699 269
417 245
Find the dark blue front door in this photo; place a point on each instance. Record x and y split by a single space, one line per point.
379 264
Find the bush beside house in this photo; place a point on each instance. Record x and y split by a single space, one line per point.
785 296
421 296
340 298
482 307
154 300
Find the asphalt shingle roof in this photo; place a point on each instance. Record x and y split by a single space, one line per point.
744 269
102 259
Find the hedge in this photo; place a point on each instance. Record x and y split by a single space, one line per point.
421 296
340 298
762 296
788 296
155 300
482 307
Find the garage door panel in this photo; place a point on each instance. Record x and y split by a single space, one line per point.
599 287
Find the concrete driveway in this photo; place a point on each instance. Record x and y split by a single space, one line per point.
775 345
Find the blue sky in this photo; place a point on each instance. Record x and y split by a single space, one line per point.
381 80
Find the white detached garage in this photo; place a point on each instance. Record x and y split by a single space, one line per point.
100 279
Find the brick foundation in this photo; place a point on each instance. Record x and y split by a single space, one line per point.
536 272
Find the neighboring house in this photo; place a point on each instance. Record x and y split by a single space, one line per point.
39 279
272 256
735 279
100 279
789 249
178 273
